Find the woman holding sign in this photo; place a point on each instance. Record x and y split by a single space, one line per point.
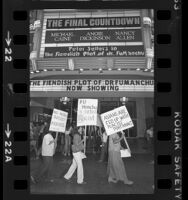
116 169
77 148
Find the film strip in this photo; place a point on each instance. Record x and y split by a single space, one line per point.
167 95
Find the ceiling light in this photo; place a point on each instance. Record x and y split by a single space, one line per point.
138 69
119 69
37 71
63 69
109 69
32 72
45 70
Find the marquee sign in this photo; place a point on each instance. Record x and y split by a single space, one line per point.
61 23
80 36
94 51
93 85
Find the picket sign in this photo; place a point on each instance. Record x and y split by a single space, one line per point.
87 114
116 120
58 123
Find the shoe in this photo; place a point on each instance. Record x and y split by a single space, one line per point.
83 183
110 180
129 183
67 180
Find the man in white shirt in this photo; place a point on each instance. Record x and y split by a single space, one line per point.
48 150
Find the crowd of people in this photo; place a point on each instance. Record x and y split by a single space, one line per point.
71 143
95 139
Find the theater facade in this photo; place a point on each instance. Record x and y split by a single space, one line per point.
99 54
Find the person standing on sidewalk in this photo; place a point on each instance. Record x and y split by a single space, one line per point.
104 149
67 140
116 169
150 140
48 150
33 139
77 148
43 131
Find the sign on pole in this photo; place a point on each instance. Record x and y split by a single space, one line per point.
116 120
58 121
87 112
99 122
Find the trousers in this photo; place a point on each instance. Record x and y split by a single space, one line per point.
76 164
104 151
45 168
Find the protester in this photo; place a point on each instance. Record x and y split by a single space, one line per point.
104 150
67 144
94 139
33 139
43 130
62 143
98 141
77 148
48 150
36 131
116 169
149 137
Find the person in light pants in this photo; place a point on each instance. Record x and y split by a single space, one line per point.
76 163
77 148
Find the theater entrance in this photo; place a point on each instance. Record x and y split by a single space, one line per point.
140 110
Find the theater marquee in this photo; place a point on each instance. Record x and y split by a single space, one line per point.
79 36
60 23
94 51
93 85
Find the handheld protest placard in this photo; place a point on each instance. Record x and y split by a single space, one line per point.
58 121
87 114
116 120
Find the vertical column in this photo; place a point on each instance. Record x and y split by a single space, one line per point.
37 39
146 29
141 122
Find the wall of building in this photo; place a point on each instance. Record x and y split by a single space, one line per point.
149 109
141 117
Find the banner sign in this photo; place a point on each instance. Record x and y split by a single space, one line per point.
58 121
80 36
116 120
93 85
94 51
60 23
87 112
